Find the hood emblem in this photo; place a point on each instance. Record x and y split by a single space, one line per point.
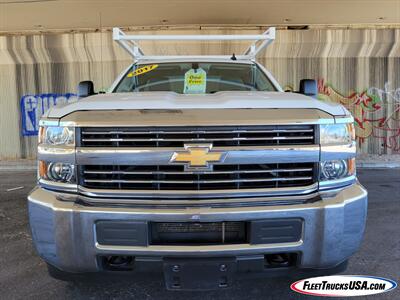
197 157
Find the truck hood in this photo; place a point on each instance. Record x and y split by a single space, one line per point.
220 100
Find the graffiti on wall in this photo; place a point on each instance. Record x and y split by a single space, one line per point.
34 106
376 112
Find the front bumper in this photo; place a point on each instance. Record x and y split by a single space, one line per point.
64 232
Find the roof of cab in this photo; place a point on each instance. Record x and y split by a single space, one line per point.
193 59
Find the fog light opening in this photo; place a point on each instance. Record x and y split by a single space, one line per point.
119 263
279 260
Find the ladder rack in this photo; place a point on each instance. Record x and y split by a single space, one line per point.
130 43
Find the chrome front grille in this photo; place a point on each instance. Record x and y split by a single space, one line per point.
226 136
174 177
136 161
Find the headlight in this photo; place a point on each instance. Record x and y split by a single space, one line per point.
337 134
57 171
337 169
56 135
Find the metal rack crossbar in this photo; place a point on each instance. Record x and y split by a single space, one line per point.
130 43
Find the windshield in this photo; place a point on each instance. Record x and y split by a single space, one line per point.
194 78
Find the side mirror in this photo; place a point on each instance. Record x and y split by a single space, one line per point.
309 87
85 89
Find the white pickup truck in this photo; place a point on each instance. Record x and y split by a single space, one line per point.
199 167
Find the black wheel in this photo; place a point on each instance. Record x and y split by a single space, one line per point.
61 275
305 273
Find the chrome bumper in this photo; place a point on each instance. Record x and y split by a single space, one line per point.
64 232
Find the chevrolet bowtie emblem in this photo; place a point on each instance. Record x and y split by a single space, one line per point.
197 157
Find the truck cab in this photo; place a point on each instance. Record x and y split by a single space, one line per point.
202 168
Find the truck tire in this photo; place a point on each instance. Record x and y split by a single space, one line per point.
305 273
61 275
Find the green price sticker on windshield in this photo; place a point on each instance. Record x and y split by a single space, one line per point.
195 81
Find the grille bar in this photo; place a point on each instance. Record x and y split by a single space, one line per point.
197 172
197 181
198 131
200 139
179 136
174 177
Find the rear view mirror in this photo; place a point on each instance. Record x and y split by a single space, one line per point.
85 88
309 87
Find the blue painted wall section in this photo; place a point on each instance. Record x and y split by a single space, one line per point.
34 106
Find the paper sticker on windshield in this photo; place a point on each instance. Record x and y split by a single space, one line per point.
195 81
142 70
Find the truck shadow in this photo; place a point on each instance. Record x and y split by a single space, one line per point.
151 286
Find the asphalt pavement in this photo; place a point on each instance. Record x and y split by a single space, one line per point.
23 275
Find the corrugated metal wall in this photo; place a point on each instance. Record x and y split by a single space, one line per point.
357 67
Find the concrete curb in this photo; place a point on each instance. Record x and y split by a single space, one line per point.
17 168
18 165
378 165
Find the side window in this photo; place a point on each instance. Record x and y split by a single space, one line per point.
262 82
126 84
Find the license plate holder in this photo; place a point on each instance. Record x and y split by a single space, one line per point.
199 274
